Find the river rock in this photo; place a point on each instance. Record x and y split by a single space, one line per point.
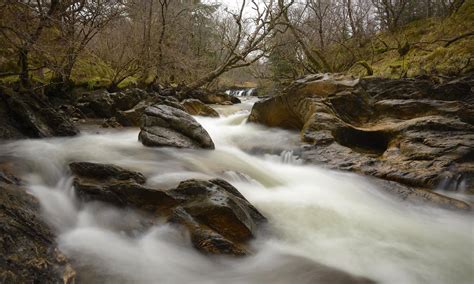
208 97
165 126
218 217
105 172
412 131
28 251
196 107
102 104
133 116
118 186
219 205
31 115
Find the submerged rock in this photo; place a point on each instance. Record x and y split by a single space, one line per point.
28 251
219 219
29 115
411 131
165 126
196 107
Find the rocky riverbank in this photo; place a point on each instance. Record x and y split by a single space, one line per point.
29 249
412 135
416 133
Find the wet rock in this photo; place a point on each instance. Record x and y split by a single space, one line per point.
196 107
165 126
111 123
118 186
218 217
208 97
133 116
102 104
71 111
129 98
421 196
28 251
412 131
105 172
98 104
218 205
204 238
31 115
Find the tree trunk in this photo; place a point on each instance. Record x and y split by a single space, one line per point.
24 74
209 77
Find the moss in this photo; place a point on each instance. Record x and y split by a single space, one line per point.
129 82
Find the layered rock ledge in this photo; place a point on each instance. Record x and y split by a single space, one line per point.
412 131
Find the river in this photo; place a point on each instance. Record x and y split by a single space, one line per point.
334 218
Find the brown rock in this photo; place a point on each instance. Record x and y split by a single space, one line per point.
219 219
208 97
196 107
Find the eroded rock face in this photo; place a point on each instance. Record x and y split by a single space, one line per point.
411 131
28 252
165 126
219 219
196 107
29 115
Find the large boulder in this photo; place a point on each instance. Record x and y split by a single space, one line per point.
196 107
165 126
28 251
30 115
219 219
412 131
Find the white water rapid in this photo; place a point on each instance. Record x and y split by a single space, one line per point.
337 219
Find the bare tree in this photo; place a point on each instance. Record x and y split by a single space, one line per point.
27 21
314 55
118 47
79 25
248 44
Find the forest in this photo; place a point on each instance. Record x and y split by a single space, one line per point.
237 141
121 43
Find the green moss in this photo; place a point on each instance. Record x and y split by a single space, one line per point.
129 82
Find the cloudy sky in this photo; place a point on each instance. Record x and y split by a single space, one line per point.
228 3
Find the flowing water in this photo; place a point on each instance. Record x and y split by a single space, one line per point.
337 219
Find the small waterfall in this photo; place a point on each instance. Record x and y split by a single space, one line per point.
246 92
289 157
